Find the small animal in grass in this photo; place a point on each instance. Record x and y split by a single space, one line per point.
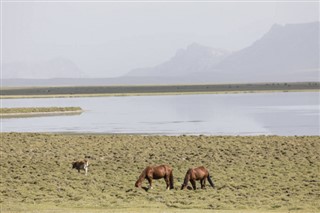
81 165
156 172
199 173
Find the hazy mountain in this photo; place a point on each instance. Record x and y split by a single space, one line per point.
289 52
285 53
192 60
55 68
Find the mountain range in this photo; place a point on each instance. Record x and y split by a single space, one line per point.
192 60
286 53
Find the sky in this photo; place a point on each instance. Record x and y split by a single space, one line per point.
110 38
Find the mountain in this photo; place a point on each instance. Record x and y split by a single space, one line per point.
285 53
55 68
289 52
192 60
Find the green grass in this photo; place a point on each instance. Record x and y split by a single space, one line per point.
261 173
38 109
134 90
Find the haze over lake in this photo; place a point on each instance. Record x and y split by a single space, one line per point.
219 114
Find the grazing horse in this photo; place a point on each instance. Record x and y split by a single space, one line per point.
200 173
156 172
81 165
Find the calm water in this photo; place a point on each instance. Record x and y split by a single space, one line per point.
222 114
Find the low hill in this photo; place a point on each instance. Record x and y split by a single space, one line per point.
54 68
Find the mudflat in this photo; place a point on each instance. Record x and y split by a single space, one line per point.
79 91
252 173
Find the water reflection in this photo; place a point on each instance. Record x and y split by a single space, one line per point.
230 114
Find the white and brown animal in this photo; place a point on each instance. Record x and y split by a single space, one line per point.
81 165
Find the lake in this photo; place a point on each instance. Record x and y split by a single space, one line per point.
294 113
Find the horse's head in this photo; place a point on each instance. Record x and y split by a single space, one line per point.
74 165
138 184
183 186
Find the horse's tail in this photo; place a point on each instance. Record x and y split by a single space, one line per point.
210 181
171 180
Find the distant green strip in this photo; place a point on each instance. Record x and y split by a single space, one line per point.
148 94
38 110
91 91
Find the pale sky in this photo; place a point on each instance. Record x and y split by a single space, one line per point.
108 39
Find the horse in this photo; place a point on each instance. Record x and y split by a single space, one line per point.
156 172
199 173
81 165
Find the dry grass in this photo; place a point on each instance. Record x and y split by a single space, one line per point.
38 109
251 173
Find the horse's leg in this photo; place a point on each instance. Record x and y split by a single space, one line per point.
193 182
203 183
167 181
86 170
150 182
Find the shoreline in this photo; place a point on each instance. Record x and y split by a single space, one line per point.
19 112
39 114
153 90
150 94
158 134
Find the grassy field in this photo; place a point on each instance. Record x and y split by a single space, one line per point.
38 109
260 173
85 91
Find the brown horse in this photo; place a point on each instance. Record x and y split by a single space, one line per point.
200 173
156 172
